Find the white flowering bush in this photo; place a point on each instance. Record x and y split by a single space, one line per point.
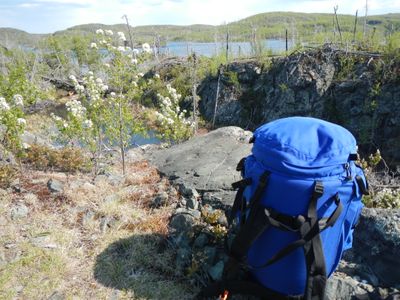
172 122
13 123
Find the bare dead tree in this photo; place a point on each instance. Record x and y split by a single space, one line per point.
355 27
194 88
216 96
129 29
337 23
365 19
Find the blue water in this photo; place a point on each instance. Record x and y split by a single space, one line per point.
139 140
211 49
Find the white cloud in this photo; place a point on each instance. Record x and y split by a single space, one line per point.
28 5
52 15
79 2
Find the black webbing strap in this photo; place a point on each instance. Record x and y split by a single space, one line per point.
243 287
255 224
248 233
238 204
313 252
362 186
300 224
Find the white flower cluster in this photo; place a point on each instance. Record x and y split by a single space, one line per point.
146 48
78 87
171 114
55 118
388 198
76 108
18 100
108 32
93 45
87 124
3 104
121 36
100 31
21 121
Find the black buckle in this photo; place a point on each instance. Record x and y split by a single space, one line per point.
318 189
241 183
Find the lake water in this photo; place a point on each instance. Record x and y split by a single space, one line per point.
211 49
139 140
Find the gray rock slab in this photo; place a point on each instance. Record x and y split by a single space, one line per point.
377 242
206 163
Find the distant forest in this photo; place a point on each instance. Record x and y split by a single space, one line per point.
300 28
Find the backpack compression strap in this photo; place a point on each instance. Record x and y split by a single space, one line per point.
260 218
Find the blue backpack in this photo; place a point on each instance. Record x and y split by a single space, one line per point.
295 210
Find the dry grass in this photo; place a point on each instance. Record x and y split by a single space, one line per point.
65 247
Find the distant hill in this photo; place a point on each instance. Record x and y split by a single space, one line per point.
300 26
11 38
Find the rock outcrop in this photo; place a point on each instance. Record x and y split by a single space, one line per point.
359 92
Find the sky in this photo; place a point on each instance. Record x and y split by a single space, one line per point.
46 16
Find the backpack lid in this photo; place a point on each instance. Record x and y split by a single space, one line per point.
302 143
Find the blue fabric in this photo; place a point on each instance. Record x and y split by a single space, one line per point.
298 151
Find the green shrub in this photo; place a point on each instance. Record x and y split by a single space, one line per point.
66 159
7 174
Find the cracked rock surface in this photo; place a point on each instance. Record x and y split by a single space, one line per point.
206 163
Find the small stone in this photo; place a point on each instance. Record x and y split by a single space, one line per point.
383 293
192 203
19 288
88 186
183 202
209 254
19 211
216 271
188 191
182 222
201 241
222 220
106 222
195 213
10 245
182 240
43 242
161 199
88 217
113 198
55 186
16 185
75 185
